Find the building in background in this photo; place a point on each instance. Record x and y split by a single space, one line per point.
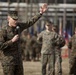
57 9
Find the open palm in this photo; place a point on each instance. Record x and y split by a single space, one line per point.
43 8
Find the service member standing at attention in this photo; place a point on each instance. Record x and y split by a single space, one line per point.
11 60
49 41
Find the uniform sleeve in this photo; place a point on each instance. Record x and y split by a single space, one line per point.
30 22
56 39
3 43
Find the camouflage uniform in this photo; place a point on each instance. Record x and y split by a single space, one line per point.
58 51
10 52
72 46
49 41
58 55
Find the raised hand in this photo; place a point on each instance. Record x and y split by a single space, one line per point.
43 8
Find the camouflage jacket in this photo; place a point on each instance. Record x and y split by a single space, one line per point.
61 42
10 51
72 45
49 41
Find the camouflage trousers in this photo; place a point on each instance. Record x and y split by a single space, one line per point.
48 59
72 66
13 69
59 62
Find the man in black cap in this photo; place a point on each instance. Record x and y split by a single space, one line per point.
13 14
9 42
49 41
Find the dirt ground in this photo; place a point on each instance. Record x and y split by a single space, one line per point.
34 68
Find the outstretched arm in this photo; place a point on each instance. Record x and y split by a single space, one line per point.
29 23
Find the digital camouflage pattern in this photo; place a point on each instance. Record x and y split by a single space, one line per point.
49 41
58 56
72 46
10 52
